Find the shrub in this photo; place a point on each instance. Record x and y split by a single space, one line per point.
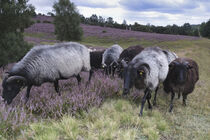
46 21
12 48
67 21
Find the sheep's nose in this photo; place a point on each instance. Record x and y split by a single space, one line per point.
125 91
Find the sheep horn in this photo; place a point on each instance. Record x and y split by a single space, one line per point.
12 78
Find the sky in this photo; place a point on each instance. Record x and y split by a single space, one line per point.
154 12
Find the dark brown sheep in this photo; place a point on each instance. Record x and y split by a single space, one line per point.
181 78
127 55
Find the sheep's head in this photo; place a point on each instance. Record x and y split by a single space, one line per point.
135 75
179 72
12 86
120 67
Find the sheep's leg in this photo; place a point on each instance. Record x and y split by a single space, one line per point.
184 99
148 100
146 92
90 75
56 85
179 95
106 70
172 98
155 97
113 71
28 93
78 79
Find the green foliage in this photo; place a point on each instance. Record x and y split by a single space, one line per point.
67 21
12 48
15 15
205 29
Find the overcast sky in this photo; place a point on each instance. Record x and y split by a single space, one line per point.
155 12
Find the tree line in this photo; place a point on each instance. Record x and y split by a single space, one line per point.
185 29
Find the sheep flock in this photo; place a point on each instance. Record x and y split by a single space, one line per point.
143 68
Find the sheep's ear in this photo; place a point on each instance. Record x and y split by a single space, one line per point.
124 63
173 63
189 66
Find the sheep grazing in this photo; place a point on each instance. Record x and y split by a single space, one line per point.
181 78
110 57
127 55
145 71
46 64
96 59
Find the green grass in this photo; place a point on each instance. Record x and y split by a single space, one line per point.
107 42
118 118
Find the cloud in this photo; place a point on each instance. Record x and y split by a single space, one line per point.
42 6
165 6
96 3
156 12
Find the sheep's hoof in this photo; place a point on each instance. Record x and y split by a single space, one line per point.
170 110
140 114
150 107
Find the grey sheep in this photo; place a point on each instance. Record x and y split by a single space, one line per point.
110 57
182 77
46 63
146 71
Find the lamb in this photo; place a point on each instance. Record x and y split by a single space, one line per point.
46 63
127 55
182 77
110 57
145 71
96 59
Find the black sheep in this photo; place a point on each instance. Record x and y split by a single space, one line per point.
96 59
127 55
181 78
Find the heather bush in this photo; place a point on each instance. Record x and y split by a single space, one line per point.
45 103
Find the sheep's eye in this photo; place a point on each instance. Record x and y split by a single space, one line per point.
141 72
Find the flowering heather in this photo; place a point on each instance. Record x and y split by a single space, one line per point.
97 31
43 18
45 103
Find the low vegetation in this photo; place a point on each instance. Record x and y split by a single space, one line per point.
100 112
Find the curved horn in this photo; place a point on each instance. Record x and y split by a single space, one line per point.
12 78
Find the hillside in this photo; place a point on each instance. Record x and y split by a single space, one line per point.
45 31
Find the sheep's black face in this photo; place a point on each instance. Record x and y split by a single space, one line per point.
120 68
134 76
10 90
130 75
179 72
